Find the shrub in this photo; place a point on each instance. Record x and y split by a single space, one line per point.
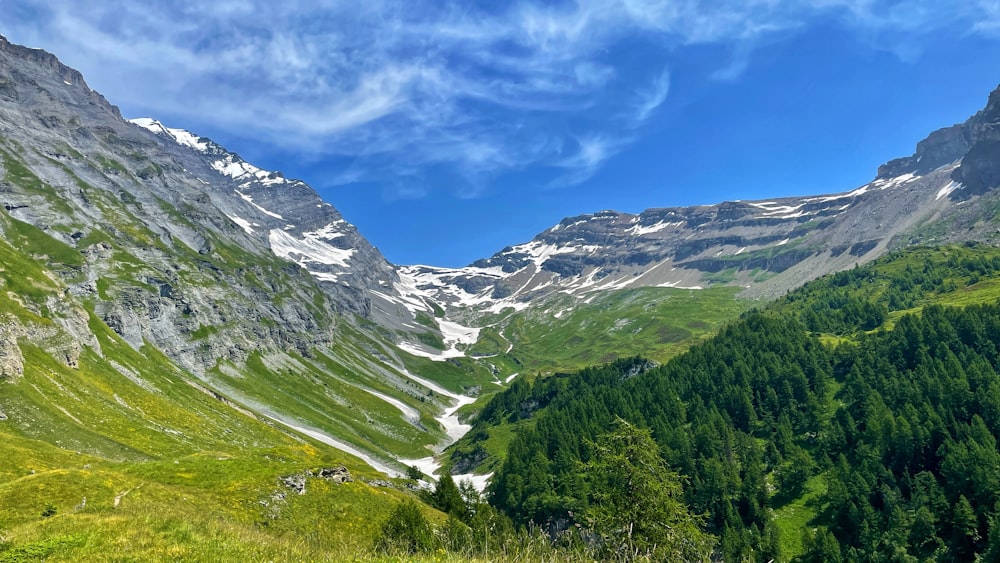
406 530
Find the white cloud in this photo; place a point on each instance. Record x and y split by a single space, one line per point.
591 151
652 97
400 86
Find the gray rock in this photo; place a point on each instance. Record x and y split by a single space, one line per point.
338 474
295 482
11 360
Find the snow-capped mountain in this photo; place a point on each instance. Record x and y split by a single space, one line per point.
291 217
941 193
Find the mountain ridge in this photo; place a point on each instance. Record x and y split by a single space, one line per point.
223 266
766 246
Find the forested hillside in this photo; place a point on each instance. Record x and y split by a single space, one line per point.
868 445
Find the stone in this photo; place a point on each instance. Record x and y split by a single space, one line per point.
339 474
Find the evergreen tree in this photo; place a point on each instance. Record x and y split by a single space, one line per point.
447 498
637 507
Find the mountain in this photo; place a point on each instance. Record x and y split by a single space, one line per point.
240 276
942 193
242 283
177 323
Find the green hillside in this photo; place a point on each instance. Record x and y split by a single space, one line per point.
803 431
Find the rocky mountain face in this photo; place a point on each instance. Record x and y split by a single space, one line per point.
244 281
941 193
183 208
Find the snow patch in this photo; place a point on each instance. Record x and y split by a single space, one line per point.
325 276
952 186
678 286
436 355
308 250
411 414
342 446
540 252
180 136
449 420
639 230
478 481
247 225
328 232
250 200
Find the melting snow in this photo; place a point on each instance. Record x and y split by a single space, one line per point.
411 414
540 252
639 230
342 446
452 427
453 335
773 210
678 286
436 355
448 419
427 465
478 481
330 231
308 250
247 225
233 168
250 200
952 186
325 276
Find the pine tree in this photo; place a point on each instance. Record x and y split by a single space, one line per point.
447 498
637 507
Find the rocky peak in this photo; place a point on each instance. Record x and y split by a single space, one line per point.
940 148
975 144
43 59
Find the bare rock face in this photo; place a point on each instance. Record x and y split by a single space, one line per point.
295 482
975 145
11 360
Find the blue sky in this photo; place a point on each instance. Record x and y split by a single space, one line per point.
446 131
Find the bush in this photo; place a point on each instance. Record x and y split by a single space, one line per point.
406 531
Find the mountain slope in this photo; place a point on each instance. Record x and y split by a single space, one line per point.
943 193
245 283
783 431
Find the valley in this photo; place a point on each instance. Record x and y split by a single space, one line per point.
192 347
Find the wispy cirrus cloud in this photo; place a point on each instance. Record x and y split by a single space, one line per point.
402 88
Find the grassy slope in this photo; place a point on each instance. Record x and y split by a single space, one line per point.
564 335
189 472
